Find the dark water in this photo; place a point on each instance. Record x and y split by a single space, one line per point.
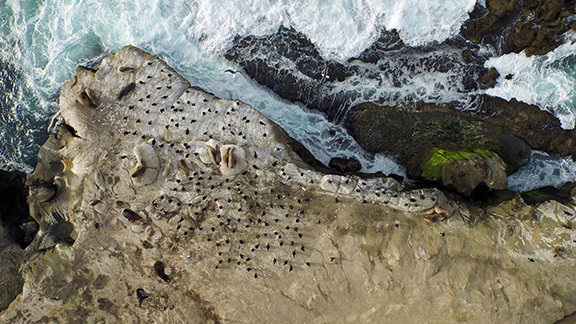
22 132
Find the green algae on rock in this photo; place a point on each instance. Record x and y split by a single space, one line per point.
465 169
508 129
412 134
432 167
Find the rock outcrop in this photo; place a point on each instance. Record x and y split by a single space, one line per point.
165 203
507 129
535 26
289 64
441 144
17 229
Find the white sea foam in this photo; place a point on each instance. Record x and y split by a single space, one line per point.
340 28
543 170
47 39
548 81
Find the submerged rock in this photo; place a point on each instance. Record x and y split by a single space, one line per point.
277 242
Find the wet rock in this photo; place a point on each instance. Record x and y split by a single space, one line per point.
535 27
345 164
414 131
540 195
288 63
488 78
540 129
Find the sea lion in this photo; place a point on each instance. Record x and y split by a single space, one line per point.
85 100
139 171
126 90
225 156
126 69
183 166
214 153
231 160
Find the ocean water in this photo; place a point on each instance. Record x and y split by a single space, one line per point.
42 42
548 81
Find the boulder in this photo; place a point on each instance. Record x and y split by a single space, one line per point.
422 132
487 78
345 164
465 169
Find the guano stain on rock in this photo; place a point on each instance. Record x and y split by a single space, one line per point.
277 241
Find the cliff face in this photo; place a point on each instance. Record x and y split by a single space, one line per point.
159 202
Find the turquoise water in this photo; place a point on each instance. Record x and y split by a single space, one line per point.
548 81
42 42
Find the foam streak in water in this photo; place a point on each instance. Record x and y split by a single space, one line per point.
543 170
548 81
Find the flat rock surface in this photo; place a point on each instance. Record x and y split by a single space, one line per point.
175 206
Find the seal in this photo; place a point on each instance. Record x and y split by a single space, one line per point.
229 157
183 166
214 153
85 100
126 90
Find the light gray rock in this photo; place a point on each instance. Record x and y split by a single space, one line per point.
272 241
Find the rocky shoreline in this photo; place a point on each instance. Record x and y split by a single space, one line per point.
365 94
157 200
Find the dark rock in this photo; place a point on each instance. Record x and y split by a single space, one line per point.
409 133
14 213
513 26
562 195
488 78
289 64
17 230
345 164
540 129
522 36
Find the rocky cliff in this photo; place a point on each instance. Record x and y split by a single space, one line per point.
158 202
